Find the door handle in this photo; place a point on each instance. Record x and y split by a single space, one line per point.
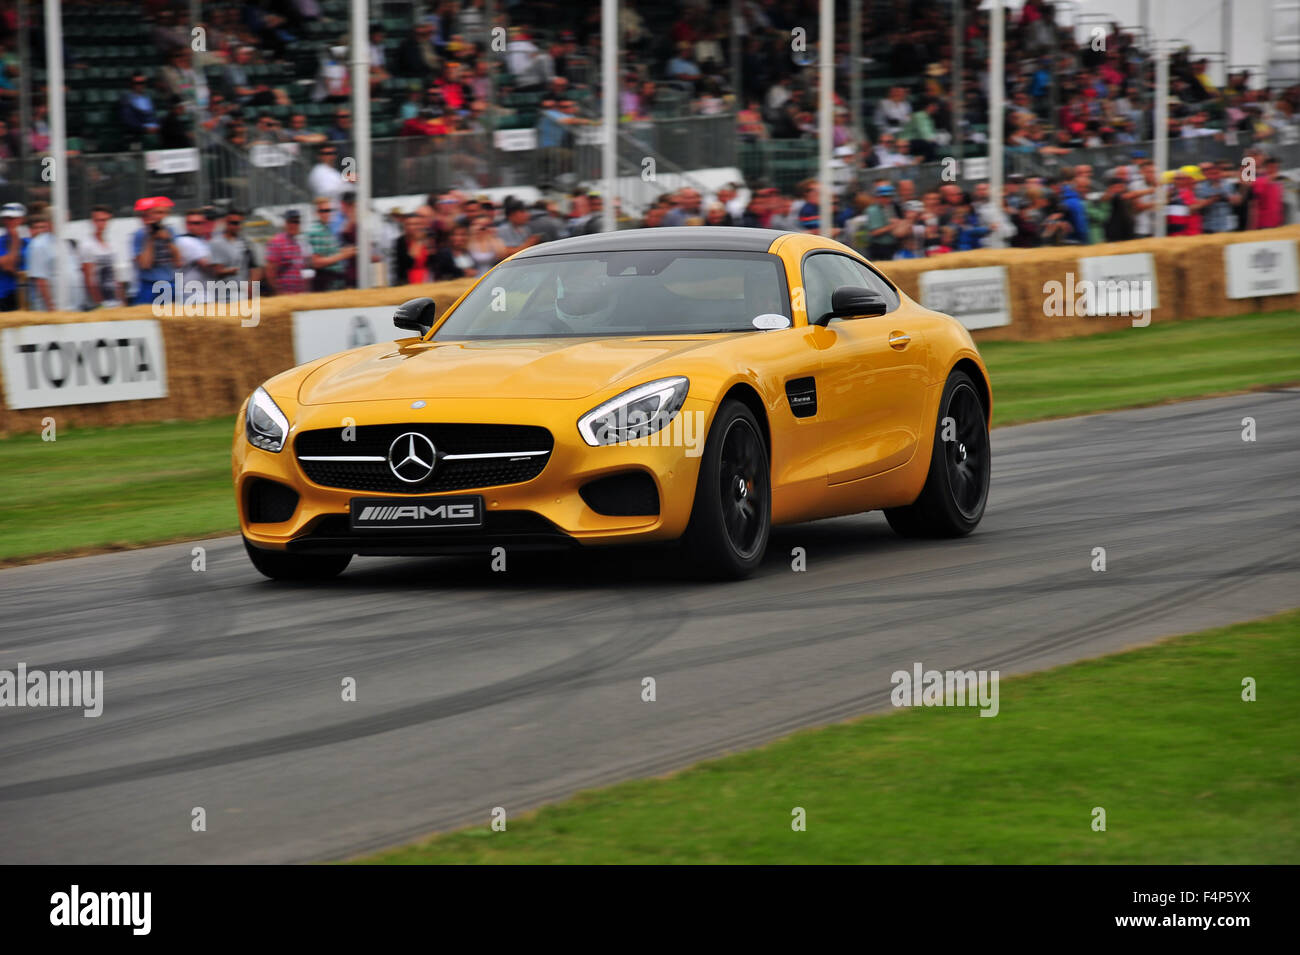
899 340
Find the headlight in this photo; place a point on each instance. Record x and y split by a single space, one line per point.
265 424
634 414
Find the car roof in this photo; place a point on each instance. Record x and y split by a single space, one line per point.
694 238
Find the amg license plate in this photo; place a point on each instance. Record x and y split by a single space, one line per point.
389 513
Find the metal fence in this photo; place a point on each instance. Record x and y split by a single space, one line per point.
273 176
266 175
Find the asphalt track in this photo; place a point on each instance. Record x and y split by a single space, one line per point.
479 689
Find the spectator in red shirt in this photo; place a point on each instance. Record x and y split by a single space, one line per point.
1266 210
449 88
1184 210
285 257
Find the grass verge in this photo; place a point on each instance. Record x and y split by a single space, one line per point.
1159 737
128 486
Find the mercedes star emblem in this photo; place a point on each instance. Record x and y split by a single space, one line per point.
411 457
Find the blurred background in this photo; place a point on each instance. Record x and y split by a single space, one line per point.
487 127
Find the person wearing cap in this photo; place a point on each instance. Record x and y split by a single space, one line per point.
286 258
1183 208
881 221
232 256
153 248
327 254
333 79
516 232
12 246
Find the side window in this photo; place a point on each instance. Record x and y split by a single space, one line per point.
822 275
824 272
872 280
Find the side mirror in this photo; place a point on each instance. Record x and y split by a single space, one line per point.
417 315
850 301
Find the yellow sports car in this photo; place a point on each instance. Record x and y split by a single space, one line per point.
695 385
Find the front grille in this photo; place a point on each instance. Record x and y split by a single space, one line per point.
449 439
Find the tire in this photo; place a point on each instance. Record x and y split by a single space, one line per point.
280 565
732 515
957 486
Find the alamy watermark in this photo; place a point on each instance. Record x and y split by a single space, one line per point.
214 298
82 689
922 687
1085 297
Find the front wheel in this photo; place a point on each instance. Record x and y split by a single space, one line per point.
281 565
732 515
957 486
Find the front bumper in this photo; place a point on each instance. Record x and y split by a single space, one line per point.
546 511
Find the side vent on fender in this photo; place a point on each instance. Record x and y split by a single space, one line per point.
802 394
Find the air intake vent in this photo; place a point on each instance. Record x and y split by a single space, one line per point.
270 502
622 495
802 395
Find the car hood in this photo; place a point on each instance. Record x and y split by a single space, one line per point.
537 368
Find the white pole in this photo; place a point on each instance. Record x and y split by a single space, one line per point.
1161 119
609 108
1225 19
997 91
361 134
61 287
855 72
825 115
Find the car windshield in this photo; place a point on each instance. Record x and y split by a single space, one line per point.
622 293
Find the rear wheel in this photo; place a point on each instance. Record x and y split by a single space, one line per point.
957 486
281 565
732 515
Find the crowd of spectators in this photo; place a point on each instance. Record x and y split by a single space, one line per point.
446 75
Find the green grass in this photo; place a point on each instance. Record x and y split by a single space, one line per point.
108 487
1159 737
143 483
1141 366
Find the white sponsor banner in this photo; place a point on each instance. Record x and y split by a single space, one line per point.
83 363
324 331
515 140
593 135
168 161
271 155
975 297
1261 268
1121 284
975 168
